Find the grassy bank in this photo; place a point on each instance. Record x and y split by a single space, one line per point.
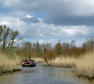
8 64
84 66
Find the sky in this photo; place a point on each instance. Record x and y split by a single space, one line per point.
49 21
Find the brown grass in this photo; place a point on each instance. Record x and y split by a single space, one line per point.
7 64
84 65
61 61
38 60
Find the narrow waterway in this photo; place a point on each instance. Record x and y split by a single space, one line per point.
42 75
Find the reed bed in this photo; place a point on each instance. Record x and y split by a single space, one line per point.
8 64
63 62
38 60
84 66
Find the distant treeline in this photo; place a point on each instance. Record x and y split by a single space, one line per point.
49 52
44 50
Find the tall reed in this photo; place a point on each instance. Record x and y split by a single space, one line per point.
8 64
83 65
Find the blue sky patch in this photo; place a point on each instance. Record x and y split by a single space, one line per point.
2 10
39 15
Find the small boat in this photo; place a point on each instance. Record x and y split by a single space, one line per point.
29 63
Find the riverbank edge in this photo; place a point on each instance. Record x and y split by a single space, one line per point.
85 76
72 66
9 71
78 74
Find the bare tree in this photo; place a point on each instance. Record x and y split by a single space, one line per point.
7 36
4 32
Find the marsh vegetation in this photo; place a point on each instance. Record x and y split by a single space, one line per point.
12 51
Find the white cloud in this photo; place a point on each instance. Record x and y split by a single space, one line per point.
74 30
41 35
63 19
28 16
42 30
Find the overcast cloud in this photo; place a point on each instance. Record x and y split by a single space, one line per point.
49 20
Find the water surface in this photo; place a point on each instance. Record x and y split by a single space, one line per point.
42 75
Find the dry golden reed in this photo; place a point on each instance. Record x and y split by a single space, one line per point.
84 65
61 61
7 64
38 60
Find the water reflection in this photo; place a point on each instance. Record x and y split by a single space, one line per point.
27 70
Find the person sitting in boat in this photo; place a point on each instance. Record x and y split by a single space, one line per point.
30 59
26 59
